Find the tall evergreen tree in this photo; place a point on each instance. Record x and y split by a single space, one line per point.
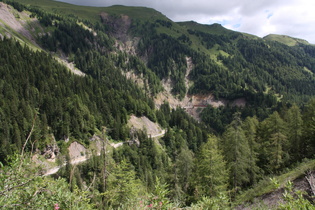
308 144
237 153
276 152
274 142
294 123
250 126
183 171
122 185
211 174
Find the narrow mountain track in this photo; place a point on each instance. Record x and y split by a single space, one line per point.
84 158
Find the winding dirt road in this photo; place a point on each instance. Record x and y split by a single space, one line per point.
84 158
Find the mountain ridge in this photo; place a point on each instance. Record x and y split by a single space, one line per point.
214 40
152 72
133 11
287 40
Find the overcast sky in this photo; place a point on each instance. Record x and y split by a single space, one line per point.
295 18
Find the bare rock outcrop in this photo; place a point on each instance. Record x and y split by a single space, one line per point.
51 151
76 150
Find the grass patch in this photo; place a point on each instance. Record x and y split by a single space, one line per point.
287 40
266 186
250 36
173 32
307 70
215 29
268 88
225 54
93 13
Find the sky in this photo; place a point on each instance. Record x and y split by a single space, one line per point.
294 18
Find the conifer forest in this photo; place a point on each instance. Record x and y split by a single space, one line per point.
234 114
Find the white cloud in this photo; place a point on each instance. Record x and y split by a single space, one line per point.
291 17
296 19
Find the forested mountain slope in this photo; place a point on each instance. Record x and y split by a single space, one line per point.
227 64
126 59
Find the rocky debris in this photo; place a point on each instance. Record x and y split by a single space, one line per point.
98 144
67 139
311 181
95 138
50 152
128 46
143 123
70 65
76 150
17 21
135 141
117 144
193 104
120 25
137 79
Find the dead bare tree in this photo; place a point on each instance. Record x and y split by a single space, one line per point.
25 143
311 180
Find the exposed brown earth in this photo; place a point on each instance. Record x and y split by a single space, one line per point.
193 104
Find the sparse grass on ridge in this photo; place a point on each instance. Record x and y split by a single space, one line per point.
287 40
266 186
92 13
216 29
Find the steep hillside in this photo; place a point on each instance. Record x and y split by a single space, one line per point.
93 13
276 191
18 25
84 78
226 64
